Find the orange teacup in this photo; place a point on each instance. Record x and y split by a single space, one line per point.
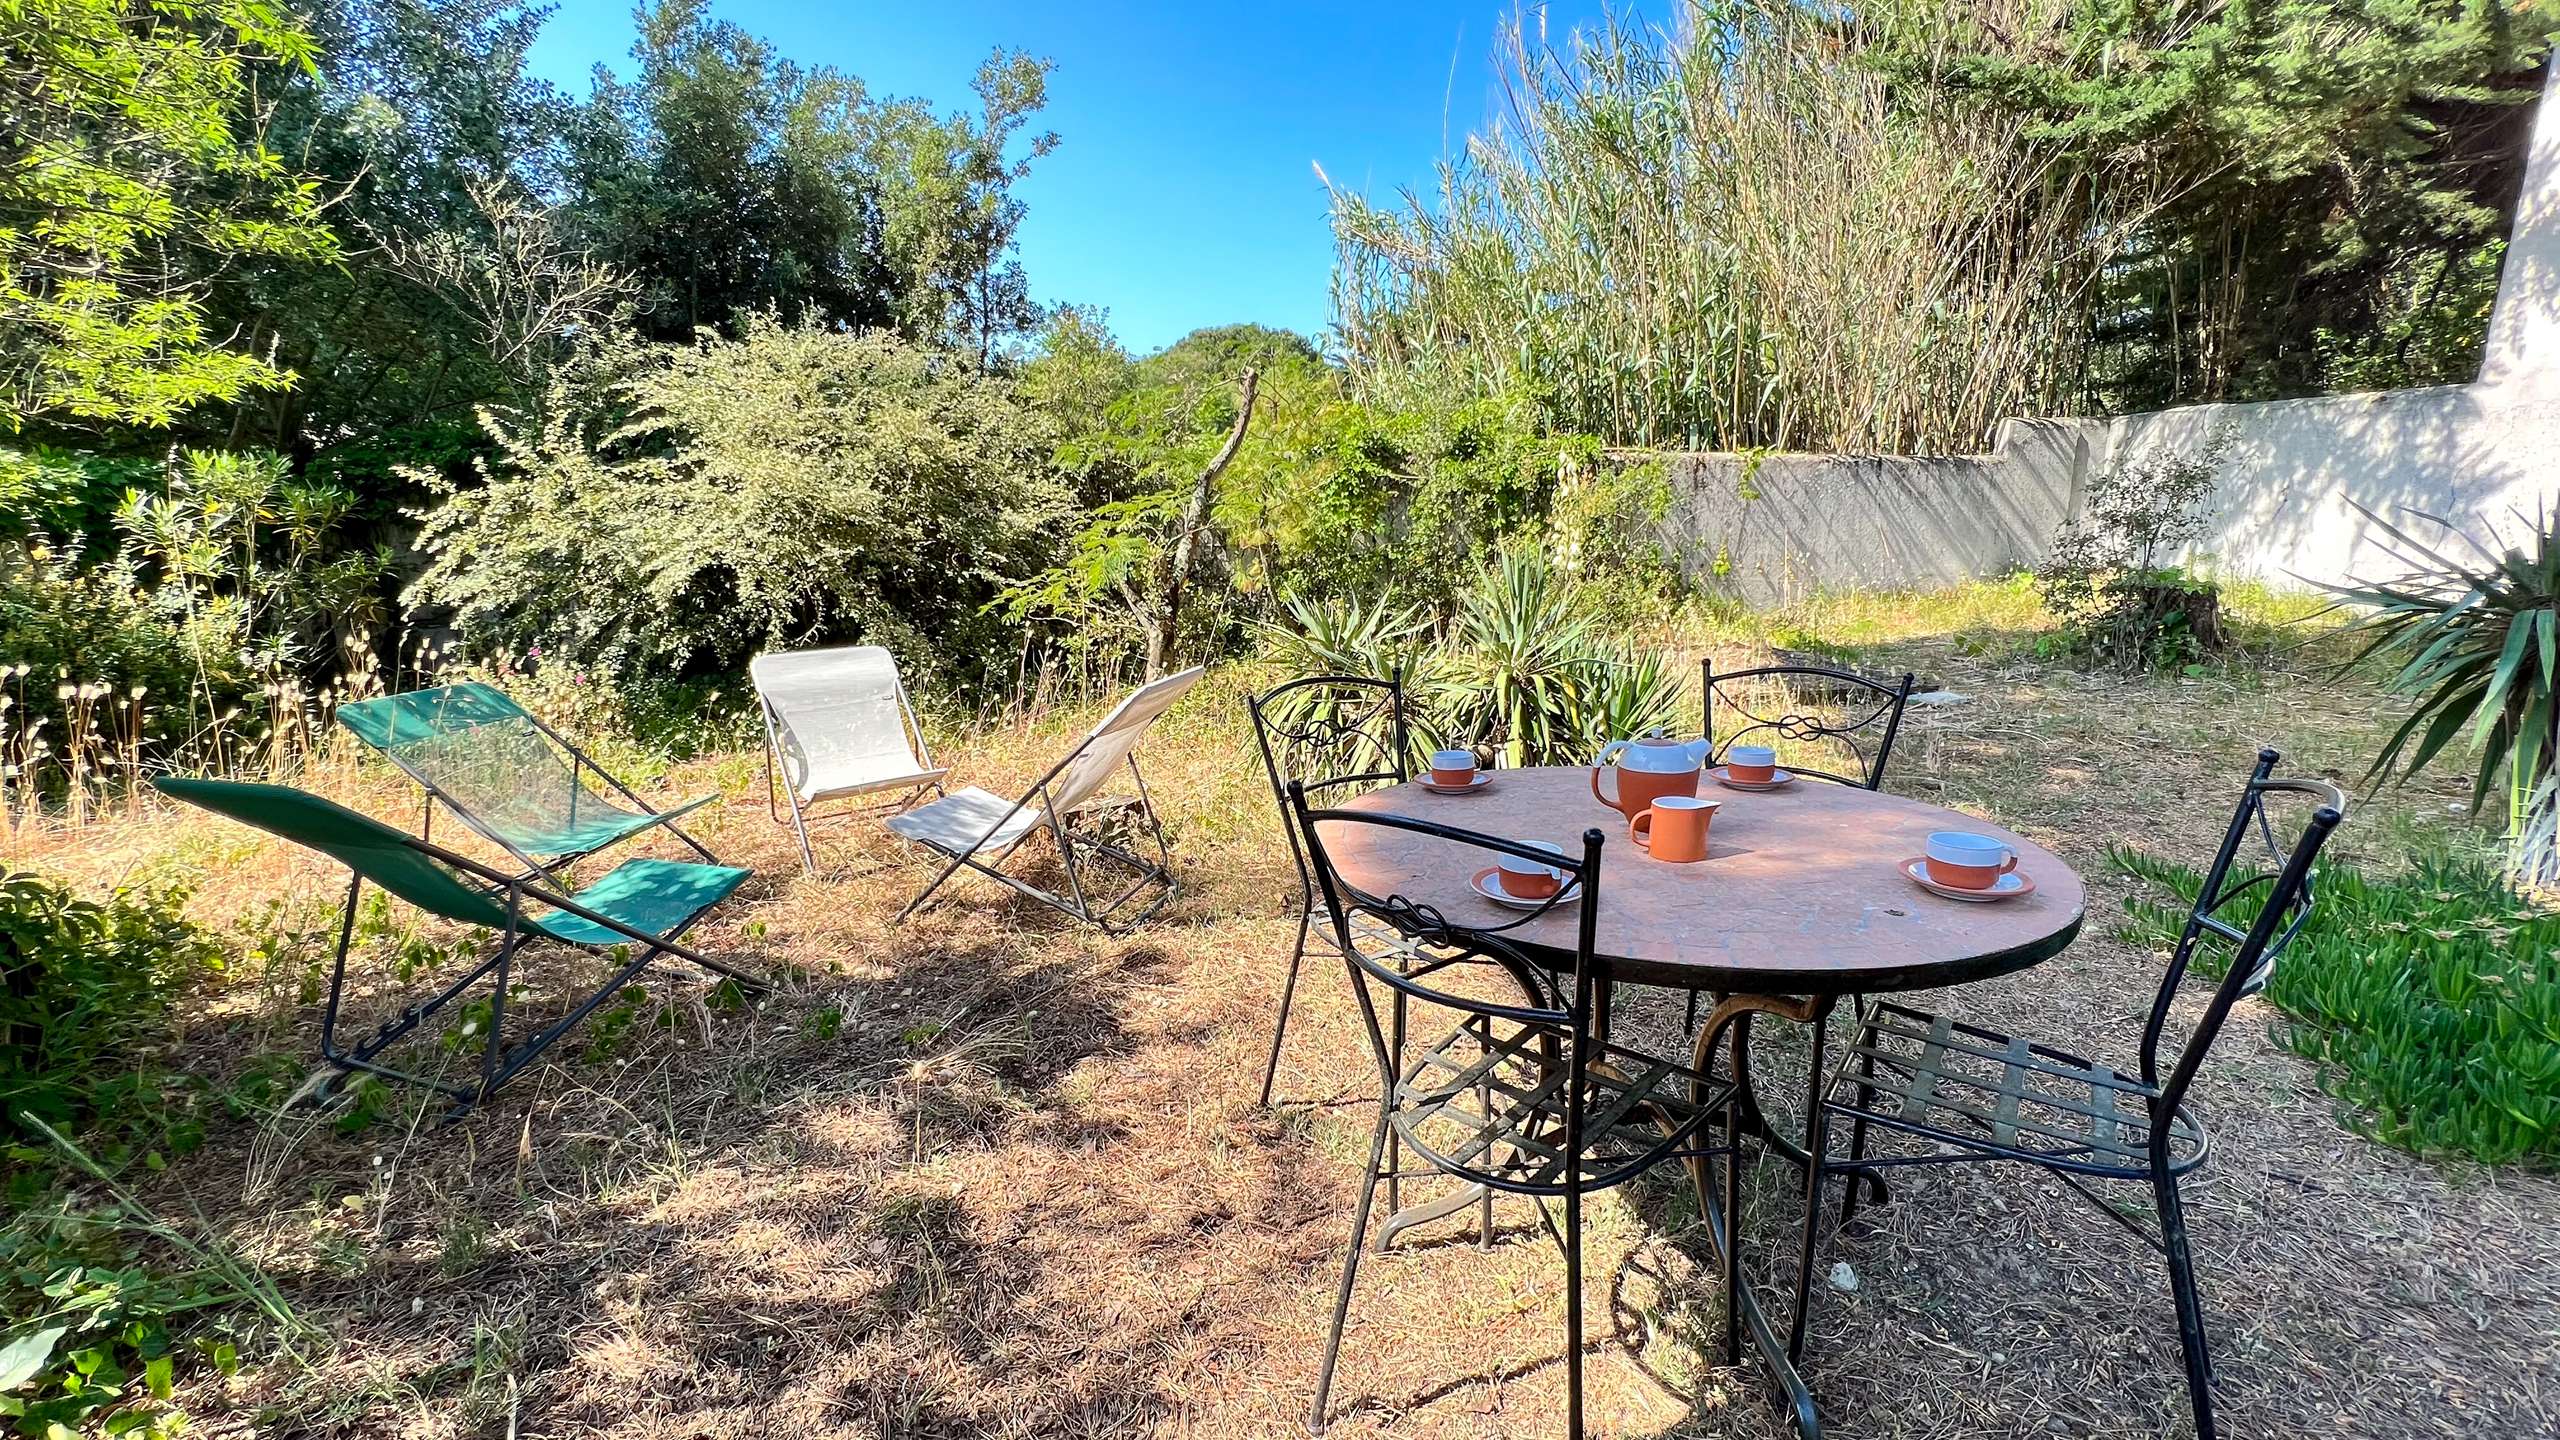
1453 767
1524 879
1674 828
1963 861
1751 764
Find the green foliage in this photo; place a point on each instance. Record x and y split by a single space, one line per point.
101 1302
2476 639
224 599
133 170
2326 182
2432 1000
85 992
1884 227
452 289
64 497
793 486
1525 670
66 628
94 1352
1135 436
2109 576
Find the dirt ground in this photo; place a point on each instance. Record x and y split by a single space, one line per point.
992 1175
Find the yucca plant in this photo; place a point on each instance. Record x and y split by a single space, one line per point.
1523 670
1520 674
2477 639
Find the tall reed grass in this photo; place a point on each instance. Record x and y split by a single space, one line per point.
1734 234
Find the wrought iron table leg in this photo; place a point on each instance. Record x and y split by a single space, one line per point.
1723 1215
1755 1121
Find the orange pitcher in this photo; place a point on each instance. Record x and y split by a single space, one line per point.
1649 767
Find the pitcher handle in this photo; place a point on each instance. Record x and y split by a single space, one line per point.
1612 748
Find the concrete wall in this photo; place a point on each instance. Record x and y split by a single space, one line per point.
1796 524
2484 455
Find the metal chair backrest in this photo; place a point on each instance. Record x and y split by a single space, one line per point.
405 867
1499 1054
1870 714
501 771
2284 897
838 707
1336 735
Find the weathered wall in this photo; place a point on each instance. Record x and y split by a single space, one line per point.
2292 476
1792 525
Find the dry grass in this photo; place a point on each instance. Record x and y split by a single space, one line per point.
991 1175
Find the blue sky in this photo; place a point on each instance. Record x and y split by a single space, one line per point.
1184 192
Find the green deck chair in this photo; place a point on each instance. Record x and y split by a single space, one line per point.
644 904
512 779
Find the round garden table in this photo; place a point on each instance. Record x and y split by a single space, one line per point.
1800 901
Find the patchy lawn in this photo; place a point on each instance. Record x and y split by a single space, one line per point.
992 1175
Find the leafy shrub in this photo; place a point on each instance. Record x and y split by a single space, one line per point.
2109 577
66 628
1326 498
65 496
101 1301
91 1347
789 487
228 600
2432 1000
84 1017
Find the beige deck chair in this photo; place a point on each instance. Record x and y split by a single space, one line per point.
980 830
837 723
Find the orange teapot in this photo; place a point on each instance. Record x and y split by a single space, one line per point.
1649 767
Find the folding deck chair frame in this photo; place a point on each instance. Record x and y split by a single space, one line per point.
537 863
927 775
1075 852
499 1061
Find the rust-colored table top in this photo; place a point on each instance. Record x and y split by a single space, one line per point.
1800 892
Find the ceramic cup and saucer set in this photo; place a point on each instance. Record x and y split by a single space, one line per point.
1525 884
1752 767
1656 788
1454 772
1963 866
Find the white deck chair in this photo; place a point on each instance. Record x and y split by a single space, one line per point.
980 830
837 723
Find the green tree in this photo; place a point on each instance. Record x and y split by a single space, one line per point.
1156 449
425 112
133 170
731 180
2330 181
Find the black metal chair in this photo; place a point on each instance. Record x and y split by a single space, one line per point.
1866 706
1520 1096
1977 1094
1869 705
1338 735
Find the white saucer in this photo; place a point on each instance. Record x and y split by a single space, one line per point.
2008 887
1778 780
1492 890
1483 778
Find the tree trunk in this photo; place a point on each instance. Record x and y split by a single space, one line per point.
1195 518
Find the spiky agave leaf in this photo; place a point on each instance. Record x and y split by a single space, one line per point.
2477 641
